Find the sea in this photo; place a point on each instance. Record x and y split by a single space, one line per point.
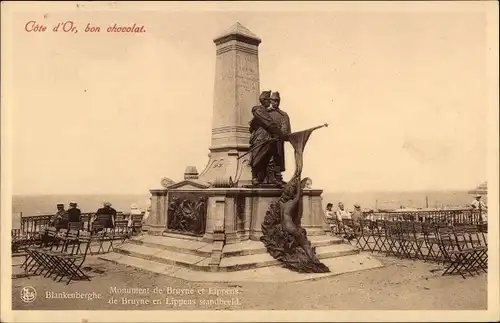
46 204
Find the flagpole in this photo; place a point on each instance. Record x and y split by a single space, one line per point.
270 140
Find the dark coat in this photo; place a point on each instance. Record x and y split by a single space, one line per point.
75 215
106 215
265 125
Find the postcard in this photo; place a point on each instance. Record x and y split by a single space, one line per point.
249 161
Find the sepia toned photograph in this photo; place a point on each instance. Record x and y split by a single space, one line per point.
175 161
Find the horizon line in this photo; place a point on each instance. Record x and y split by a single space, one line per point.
324 191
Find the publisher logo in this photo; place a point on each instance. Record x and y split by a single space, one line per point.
28 294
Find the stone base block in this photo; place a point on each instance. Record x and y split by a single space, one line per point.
156 230
241 211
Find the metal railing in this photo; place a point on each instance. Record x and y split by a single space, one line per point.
35 223
452 217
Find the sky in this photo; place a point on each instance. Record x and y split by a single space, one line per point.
405 95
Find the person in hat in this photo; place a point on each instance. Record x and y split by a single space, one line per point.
61 218
342 213
269 128
134 210
478 203
357 214
106 215
329 214
74 213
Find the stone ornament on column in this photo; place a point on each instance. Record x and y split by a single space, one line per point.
166 182
191 173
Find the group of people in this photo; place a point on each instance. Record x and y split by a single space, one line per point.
342 213
105 215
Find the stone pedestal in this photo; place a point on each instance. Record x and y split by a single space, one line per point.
155 223
239 211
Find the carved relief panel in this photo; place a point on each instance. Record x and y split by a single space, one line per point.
187 213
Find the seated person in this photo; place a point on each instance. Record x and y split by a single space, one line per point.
342 213
74 213
329 212
106 215
357 214
61 218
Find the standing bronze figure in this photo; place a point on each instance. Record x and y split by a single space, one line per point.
269 130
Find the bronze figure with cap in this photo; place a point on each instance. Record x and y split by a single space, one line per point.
269 129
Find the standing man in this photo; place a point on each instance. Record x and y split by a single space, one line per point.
74 213
106 215
269 129
478 204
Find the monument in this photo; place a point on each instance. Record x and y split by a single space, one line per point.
239 213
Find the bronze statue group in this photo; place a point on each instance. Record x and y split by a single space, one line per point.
283 235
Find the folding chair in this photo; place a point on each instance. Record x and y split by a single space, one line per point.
458 259
137 223
40 257
73 231
468 238
393 235
332 226
408 241
419 240
430 242
483 239
66 264
121 230
349 229
366 235
380 236
75 225
98 235
336 228
32 256
444 245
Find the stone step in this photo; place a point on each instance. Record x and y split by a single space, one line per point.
249 247
234 263
186 246
160 255
181 236
265 259
139 263
337 265
203 249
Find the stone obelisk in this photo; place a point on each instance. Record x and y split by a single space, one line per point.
236 92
